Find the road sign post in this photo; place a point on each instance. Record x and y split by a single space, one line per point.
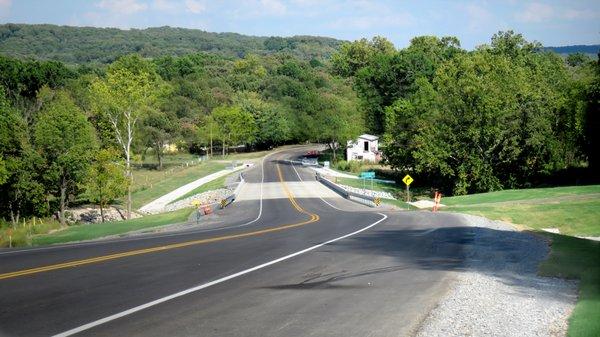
367 175
407 180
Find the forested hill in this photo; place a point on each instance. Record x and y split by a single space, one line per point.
591 50
104 45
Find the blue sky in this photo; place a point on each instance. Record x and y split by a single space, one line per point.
552 22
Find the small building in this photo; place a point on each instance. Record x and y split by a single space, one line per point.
365 147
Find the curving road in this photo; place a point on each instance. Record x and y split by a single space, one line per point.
289 258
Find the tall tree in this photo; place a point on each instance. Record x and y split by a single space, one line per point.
337 122
592 120
160 129
105 181
208 132
130 86
65 140
236 126
21 189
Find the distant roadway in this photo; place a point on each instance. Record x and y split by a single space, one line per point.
288 258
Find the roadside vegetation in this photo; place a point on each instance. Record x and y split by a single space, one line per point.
211 185
153 185
100 230
577 258
573 210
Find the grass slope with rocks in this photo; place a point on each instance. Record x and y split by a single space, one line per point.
100 230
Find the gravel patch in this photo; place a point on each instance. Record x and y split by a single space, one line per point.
499 292
371 193
207 197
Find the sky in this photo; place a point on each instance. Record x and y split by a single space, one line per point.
551 22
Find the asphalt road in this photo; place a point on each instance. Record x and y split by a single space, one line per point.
288 259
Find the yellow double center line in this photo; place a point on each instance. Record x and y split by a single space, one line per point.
313 218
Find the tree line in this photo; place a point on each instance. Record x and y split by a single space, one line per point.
73 133
84 45
497 117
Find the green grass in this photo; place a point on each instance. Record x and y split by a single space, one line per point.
572 217
151 184
574 211
94 231
171 159
211 185
578 259
524 194
241 156
394 189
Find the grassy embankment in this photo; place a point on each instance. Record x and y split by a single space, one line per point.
152 184
574 211
149 183
211 185
94 231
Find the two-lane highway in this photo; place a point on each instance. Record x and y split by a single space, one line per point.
288 259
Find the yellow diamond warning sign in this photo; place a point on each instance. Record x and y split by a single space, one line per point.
407 180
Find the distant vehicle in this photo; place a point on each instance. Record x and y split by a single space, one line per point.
312 154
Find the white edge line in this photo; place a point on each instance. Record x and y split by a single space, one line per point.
323 200
260 209
206 285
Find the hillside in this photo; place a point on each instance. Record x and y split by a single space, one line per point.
591 50
104 45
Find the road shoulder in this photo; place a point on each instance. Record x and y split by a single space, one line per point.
499 292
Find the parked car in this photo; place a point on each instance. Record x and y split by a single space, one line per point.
312 154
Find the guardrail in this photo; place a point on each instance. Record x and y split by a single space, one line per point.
224 202
357 197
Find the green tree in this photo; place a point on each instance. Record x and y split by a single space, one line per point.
160 129
592 119
337 122
65 140
130 87
356 55
577 59
487 120
21 190
208 132
236 126
105 181
272 122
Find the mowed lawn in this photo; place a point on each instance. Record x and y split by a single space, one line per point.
152 184
99 230
574 211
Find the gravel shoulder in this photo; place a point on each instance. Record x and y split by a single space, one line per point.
498 292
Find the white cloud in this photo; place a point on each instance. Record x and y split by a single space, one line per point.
259 8
165 5
195 6
122 6
370 22
539 12
479 17
275 7
536 12
575 14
